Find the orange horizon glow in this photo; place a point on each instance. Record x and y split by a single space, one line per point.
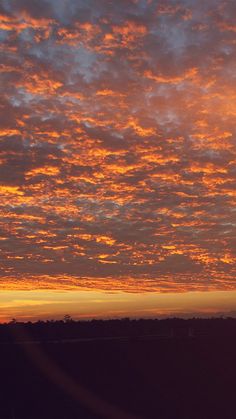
83 305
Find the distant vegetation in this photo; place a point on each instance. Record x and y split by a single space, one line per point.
70 329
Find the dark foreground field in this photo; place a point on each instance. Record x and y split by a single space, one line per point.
172 369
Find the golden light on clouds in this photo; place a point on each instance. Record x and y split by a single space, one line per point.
117 146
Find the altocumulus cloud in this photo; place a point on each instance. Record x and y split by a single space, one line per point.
117 147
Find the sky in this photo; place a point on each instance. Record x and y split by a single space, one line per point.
117 157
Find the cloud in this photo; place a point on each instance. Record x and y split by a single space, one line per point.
117 149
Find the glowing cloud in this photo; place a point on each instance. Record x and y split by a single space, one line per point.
117 145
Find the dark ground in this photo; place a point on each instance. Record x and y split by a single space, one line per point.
168 369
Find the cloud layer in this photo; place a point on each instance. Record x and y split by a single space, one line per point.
117 148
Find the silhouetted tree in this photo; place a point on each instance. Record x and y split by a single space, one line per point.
67 318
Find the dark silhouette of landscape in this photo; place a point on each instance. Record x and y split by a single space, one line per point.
167 369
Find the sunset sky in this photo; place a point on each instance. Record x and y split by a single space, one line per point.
117 158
